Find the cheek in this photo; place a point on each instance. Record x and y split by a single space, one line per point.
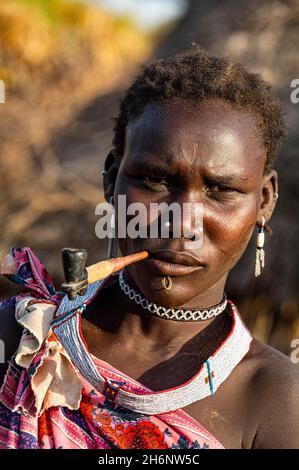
138 201
232 232
239 241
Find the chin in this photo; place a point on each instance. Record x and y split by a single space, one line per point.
150 285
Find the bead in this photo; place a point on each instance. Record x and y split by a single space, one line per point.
260 239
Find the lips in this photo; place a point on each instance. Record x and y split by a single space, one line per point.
177 257
173 263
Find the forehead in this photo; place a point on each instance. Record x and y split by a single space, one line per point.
212 133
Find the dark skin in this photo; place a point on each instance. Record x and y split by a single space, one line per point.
213 154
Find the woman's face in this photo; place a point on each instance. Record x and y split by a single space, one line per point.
207 153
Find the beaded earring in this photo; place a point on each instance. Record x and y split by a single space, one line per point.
260 253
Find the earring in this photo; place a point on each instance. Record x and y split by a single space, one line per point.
260 253
112 244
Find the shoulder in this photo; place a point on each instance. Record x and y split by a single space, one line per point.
272 367
275 391
10 334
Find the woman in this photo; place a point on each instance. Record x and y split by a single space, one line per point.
167 363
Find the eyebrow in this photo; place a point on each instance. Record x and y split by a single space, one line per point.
150 166
227 179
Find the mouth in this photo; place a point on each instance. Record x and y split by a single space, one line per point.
173 263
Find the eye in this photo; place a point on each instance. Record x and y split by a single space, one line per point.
156 182
221 188
220 191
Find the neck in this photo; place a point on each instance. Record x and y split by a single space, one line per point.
135 328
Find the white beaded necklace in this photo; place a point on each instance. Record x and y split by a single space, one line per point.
180 314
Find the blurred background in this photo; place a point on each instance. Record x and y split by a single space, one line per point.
66 64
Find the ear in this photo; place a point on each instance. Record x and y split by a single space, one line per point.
269 189
110 174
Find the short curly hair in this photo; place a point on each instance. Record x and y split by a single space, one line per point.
198 75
